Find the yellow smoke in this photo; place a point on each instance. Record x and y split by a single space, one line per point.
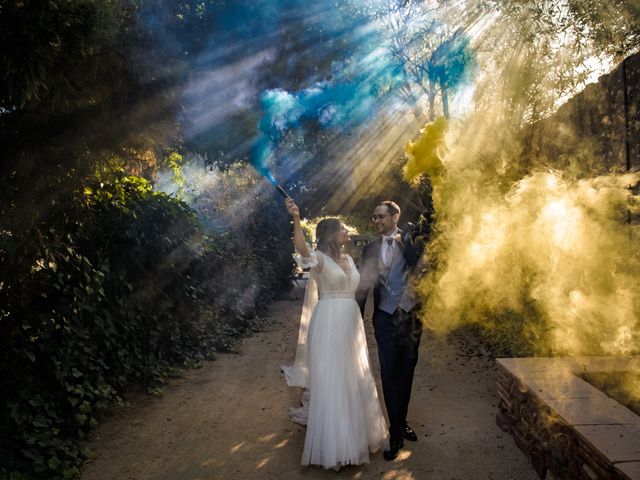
424 155
544 260
548 259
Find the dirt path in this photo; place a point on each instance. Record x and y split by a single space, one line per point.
229 420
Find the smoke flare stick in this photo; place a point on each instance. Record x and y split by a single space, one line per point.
282 191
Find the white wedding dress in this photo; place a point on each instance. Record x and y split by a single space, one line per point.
342 410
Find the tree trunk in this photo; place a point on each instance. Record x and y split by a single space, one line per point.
432 101
418 113
445 102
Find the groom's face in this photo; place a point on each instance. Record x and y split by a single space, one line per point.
383 221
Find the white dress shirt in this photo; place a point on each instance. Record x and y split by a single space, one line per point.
388 248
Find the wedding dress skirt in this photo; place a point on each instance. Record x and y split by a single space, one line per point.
342 410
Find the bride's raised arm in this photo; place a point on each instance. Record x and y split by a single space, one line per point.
298 236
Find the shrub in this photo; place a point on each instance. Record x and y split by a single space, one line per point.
114 286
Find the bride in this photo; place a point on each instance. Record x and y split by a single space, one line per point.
342 411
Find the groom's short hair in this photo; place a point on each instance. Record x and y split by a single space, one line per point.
392 207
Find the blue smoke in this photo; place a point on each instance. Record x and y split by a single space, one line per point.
453 62
355 91
256 69
350 98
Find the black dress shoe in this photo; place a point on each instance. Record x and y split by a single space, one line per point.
409 434
392 453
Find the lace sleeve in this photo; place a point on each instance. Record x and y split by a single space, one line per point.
312 261
307 262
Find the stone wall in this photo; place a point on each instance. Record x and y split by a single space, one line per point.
598 130
565 425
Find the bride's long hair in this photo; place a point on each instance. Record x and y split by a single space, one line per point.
326 231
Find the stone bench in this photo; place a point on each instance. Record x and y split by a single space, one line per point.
564 424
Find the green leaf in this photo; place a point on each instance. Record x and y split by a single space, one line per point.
53 463
33 455
85 407
36 401
40 421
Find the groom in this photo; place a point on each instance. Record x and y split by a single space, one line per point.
387 264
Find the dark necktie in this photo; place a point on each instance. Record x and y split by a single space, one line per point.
388 254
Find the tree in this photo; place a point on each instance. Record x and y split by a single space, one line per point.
427 39
449 65
547 50
48 47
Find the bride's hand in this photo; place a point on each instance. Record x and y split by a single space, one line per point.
292 208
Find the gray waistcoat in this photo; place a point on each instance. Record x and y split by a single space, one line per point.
393 293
